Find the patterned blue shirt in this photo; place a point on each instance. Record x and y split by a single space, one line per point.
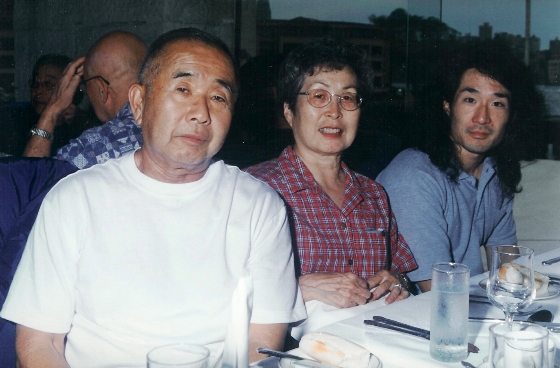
99 144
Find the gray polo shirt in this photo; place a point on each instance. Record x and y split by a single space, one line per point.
443 221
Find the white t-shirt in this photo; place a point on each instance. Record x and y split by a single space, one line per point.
124 263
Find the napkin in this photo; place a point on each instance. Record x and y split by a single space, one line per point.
320 315
334 350
236 345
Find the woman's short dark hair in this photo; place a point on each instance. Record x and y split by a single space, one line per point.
57 60
326 53
151 64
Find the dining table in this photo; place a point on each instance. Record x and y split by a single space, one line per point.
396 349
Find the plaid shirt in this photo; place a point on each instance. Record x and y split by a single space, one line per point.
362 237
99 144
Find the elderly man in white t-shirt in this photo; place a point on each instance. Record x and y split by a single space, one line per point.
147 249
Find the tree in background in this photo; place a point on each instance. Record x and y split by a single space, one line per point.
425 38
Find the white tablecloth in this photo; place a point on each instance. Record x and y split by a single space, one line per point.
320 315
397 350
535 209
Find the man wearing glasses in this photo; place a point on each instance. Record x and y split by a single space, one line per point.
106 73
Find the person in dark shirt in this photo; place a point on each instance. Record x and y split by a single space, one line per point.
24 182
18 119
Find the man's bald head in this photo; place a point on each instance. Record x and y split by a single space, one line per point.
117 57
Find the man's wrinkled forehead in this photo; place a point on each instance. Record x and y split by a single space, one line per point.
189 57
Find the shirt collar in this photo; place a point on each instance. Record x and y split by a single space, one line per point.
299 177
125 113
488 169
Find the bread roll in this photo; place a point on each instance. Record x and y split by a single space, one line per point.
334 350
510 273
541 284
517 274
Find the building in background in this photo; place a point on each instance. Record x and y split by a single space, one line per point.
554 48
485 31
554 71
281 36
553 65
263 10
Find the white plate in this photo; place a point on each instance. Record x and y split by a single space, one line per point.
553 290
374 361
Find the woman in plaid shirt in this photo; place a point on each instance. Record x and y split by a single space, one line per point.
345 232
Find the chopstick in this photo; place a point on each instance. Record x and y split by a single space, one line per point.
473 298
398 326
390 324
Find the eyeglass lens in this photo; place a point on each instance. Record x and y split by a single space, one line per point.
321 98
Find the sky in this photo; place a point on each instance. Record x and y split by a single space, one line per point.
463 15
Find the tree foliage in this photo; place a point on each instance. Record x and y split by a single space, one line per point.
424 37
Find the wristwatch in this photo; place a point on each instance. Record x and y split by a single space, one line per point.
403 279
41 133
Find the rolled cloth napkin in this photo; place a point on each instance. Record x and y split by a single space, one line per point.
236 345
334 350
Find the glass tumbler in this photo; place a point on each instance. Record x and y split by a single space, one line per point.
449 317
524 345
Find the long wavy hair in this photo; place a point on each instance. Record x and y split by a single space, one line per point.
524 133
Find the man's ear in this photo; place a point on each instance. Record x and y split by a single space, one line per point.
288 114
136 94
447 108
102 89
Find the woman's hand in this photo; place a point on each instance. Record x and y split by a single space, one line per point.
61 99
341 290
388 281
63 93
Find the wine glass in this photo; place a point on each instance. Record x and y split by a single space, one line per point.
511 283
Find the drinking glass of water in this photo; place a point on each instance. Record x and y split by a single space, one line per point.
520 344
179 356
449 317
526 348
511 282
